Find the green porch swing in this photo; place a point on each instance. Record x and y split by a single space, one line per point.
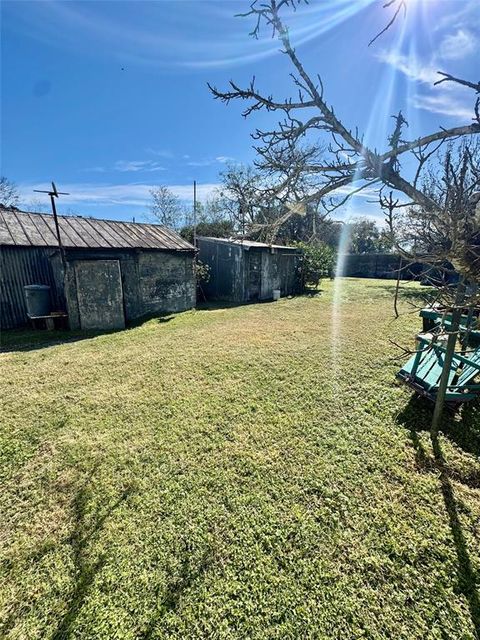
424 369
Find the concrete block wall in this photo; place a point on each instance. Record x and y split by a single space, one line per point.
166 282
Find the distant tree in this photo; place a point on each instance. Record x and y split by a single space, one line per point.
166 207
213 209
260 214
329 232
242 197
216 229
9 195
367 237
35 205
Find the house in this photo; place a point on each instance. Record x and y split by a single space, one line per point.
111 273
244 270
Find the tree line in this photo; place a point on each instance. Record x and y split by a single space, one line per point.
239 207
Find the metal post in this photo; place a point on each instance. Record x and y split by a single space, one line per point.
449 352
194 213
397 287
54 193
57 229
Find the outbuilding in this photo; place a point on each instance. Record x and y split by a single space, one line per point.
105 274
245 270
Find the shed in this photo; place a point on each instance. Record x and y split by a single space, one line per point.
245 270
113 273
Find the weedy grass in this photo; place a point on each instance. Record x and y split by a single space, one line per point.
248 472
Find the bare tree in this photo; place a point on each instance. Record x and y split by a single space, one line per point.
312 144
260 211
9 195
451 234
336 156
166 207
243 195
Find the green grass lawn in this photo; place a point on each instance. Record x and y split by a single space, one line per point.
248 472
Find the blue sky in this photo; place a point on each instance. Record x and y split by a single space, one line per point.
110 99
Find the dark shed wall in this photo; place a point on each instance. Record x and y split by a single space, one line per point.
230 270
227 269
20 266
279 271
379 265
153 281
371 265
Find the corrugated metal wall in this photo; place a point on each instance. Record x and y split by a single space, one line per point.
20 266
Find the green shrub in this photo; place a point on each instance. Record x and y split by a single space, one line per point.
318 261
202 272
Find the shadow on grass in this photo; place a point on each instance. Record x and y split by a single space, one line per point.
463 429
217 305
84 570
424 295
189 573
30 339
417 417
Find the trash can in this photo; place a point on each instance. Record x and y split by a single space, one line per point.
276 294
37 298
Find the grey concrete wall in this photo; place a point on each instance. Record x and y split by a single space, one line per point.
153 282
166 282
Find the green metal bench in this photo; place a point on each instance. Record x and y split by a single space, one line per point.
424 370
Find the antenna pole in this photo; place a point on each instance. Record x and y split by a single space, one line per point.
54 194
57 228
194 213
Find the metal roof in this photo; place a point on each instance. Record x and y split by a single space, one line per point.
38 230
247 243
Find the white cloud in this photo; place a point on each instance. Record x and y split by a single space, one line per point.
102 195
444 104
137 165
411 66
368 192
161 153
200 163
207 162
125 166
447 99
458 45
